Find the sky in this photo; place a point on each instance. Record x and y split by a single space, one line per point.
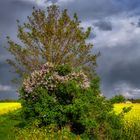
115 34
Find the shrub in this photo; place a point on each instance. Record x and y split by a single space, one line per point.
118 99
45 133
63 97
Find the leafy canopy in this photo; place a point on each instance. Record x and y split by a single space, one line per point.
62 97
51 37
118 99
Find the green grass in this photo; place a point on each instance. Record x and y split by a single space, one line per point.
10 122
12 128
7 124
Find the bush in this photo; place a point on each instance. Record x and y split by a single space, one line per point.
63 69
118 99
44 133
63 97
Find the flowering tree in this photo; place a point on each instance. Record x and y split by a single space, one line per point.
49 77
53 37
52 95
62 96
59 66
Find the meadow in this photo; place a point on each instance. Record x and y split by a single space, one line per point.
10 119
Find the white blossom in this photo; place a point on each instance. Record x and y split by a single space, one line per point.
38 77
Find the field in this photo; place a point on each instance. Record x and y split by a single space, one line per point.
11 120
131 120
7 107
133 114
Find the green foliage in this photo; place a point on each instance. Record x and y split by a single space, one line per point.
13 127
58 99
63 69
131 130
127 109
45 133
82 109
118 99
51 36
8 122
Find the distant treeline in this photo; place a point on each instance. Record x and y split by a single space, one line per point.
134 100
8 100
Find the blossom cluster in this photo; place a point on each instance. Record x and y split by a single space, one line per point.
48 77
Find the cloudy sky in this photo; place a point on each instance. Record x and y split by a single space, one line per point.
115 33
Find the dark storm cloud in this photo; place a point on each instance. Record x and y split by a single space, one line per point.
9 95
118 68
138 23
10 11
128 4
92 9
103 25
99 9
119 64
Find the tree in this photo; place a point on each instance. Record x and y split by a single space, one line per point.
58 63
118 99
53 37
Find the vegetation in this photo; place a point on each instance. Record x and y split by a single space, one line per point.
64 97
131 129
134 100
60 93
53 37
133 113
118 99
12 127
8 124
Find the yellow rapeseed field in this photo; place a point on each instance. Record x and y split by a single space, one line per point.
133 114
7 107
131 120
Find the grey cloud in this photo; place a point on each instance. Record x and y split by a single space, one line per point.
119 65
92 9
128 4
103 25
5 88
10 11
132 23
116 65
99 9
92 35
138 23
8 95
